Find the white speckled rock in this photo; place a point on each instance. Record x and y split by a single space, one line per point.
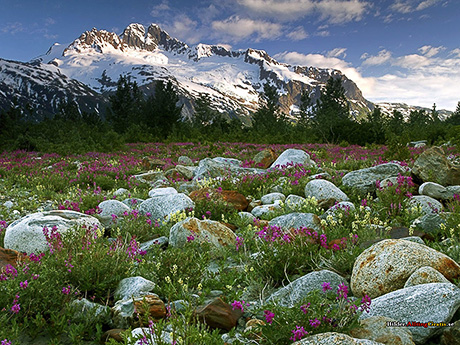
343 206
26 234
425 275
301 287
323 190
162 206
271 198
386 266
434 302
292 157
333 338
162 191
294 202
428 205
115 207
435 191
376 328
297 220
133 287
259 211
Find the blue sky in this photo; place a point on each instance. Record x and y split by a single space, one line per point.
395 50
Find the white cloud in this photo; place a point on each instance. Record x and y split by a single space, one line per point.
12 28
237 28
408 6
297 34
323 33
184 29
159 9
421 80
334 11
430 51
337 52
381 58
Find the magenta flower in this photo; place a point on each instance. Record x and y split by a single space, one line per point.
365 303
239 305
190 238
269 316
66 290
304 308
239 242
24 284
315 323
326 286
342 291
299 333
5 342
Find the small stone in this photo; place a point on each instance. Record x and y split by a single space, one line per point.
271 198
322 190
162 191
426 204
218 314
133 287
184 160
8 204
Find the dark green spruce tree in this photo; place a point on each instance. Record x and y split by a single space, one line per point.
332 120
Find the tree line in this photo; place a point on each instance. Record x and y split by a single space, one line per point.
134 117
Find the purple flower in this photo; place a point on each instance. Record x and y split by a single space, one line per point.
24 284
239 305
342 291
326 286
299 333
269 316
304 308
5 342
190 238
66 290
315 323
239 242
365 303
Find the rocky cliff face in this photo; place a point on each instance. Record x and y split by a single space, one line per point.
232 79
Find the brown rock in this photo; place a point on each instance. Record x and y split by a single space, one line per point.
232 198
253 328
433 166
218 314
451 335
265 158
152 163
9 257
152 305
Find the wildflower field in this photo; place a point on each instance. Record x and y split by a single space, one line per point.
38 293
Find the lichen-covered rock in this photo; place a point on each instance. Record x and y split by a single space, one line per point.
229 197
84 310
294 202
343 207
376 328
434 302
26 234
324 190
386 266
291 157
193 229
162 206
433 166
364 180
297 220
301 287
265 158
425 275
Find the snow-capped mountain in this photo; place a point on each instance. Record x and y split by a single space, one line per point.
92 64
388 108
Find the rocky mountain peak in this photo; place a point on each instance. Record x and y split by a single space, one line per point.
99 40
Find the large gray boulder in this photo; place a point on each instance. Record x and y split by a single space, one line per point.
112 207
270 198
296 291
434 302
26 234
162 191
324 190
291 157
297 220
160 207
211 168
364 180
386 266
